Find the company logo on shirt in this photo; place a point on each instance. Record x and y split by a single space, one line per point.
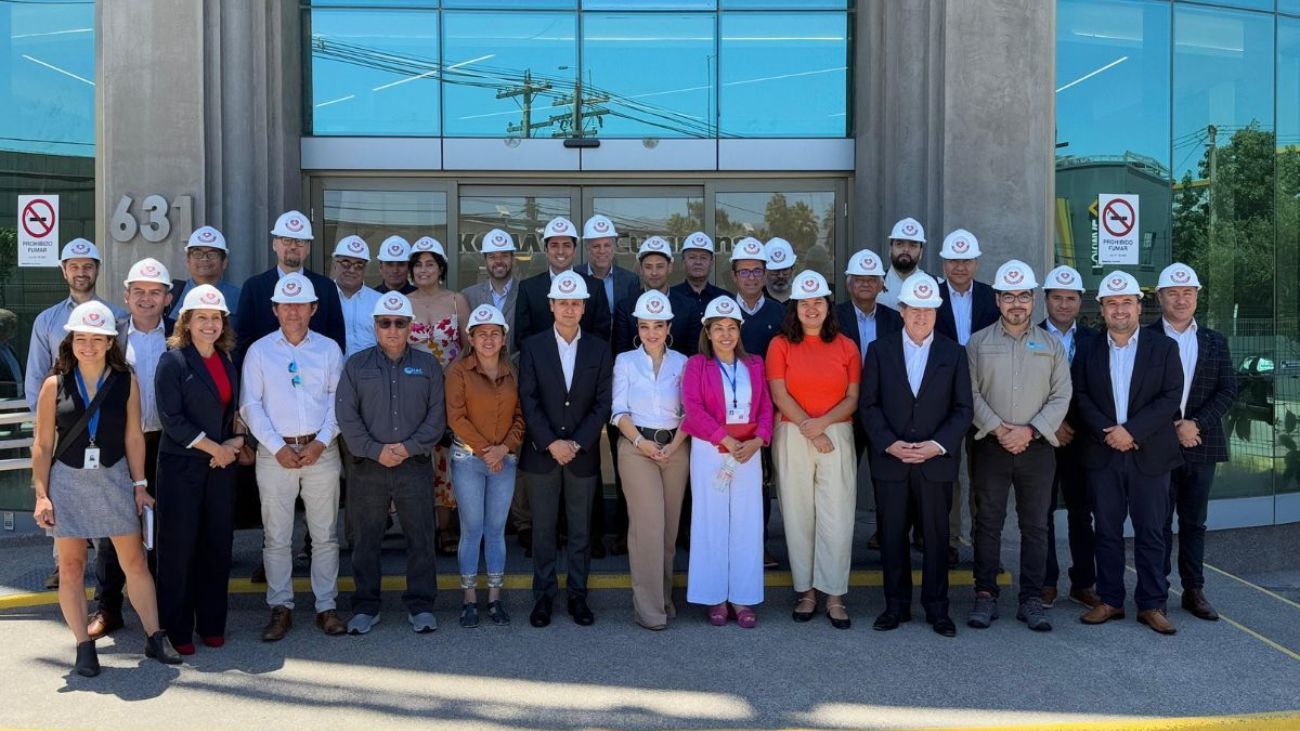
413 371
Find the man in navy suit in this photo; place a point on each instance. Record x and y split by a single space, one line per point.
1209 388
565 378
915 404
619 285
1128 388
291 239
532 307
697 260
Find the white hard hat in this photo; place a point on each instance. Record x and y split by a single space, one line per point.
92 317
722 306
496 240
486 315
654 245
568 286
393 304
294 288
395 248
204 297
1064 277
79 249
206 236
908 229
354 247
599 227
698 240
865 263
559 226
960 244
1014 276
809 285
920 290
780 254
653 305
748 248
148 270
428 244
292 225
1118 283
1178 274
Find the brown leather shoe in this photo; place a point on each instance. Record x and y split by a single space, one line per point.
104 622
1195 602
1156 620
330 624
1101 614
1086 596
278 627
1049 596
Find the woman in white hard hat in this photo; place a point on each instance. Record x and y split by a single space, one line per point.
653 458
92 484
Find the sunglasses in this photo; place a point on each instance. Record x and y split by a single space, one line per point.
351 265
295 379
386 323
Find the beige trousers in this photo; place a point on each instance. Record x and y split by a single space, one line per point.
654 493
818 494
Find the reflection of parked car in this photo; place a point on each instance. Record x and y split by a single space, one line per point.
1259 377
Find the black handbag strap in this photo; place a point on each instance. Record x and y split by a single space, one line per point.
80 426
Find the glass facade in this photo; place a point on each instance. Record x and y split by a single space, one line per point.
560 68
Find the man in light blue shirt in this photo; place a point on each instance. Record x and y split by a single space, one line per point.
206 260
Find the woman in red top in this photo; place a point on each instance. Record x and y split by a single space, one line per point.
813 372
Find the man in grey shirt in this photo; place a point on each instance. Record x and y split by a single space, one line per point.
390 409
1020 383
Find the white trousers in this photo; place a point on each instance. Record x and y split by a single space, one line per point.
726 560
279 488
819 495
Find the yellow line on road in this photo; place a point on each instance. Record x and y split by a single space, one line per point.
1262 721
1254 586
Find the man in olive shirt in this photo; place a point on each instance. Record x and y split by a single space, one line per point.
1020 382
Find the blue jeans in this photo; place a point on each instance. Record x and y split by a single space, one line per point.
483 501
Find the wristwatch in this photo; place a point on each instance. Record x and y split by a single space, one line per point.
1036 433
140 483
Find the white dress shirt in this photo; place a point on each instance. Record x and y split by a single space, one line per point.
568 355
1121 373
359 318
272 405
962 306
143 351
653 402
1188 351
1066 338
915 357
866 329
740 398
758 305
893 285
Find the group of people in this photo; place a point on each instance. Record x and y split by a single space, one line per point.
493 401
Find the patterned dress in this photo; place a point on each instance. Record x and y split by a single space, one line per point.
442 340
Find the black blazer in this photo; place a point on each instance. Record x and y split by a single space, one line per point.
685 327
254 317
533 310
188 402
888 321
1214 389
941 411
1154 393
627 285
124 322
553 412
983 310
1084 336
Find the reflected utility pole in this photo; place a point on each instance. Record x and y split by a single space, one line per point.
528 91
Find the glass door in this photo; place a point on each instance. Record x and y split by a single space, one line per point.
520 211
639 212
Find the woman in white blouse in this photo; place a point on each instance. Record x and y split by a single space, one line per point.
653 458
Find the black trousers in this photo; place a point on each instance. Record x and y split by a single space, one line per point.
605 520
932 501
1120 490
374 486
547 493
1189 496
997 472
196 527
1072 484
110 582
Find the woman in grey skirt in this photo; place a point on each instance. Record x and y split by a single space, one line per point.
88 473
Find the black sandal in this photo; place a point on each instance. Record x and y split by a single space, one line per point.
497 613
469 615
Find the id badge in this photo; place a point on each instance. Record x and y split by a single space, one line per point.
737 415
90 461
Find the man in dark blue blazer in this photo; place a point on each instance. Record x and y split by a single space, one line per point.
915 404
291 239
565 382
1209 388
1128 388
763 315
533 309
600 239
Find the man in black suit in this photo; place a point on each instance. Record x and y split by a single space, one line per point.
655 262
1209 388
1063 292
533 310
697 259
915 405
1128 388
291 239
619 285
564 389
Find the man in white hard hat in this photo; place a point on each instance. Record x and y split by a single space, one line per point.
287 400
1063 289
915 404
395 266
206 259
532 309
1209 390
351 255
1020 382
391 414
763 315
565 382
780 268
500 288
291 239
906 244
1128 388
655 264
697 260
600 239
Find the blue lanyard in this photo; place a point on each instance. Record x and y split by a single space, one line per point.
731 379
92 426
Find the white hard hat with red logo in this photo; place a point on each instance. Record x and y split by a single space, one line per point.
292 225
780 254
908 229
568 286
486 315
204 297
428 244
496 241
1014 276
865 263
395 248
1064 277
148 270
1117 284
698 240
809 285
354 247
599 227
393 304
723 306
294 288
206 236
559 226
748 249
79 249
920 290
92 317
653 305
960 244
1178 274
655 245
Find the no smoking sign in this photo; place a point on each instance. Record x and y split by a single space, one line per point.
38 230
1117 236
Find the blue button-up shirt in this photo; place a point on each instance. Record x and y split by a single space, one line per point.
1121 373
47 333
866 329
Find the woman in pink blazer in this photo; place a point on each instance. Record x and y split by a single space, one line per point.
728 411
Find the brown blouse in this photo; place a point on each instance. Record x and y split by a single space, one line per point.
481 411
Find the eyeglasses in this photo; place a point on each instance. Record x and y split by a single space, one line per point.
1023 298
351 265
387 323
295 379
204 254
750 273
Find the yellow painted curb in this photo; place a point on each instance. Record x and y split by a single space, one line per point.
1256 722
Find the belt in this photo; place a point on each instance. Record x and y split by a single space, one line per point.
658 436
301 441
